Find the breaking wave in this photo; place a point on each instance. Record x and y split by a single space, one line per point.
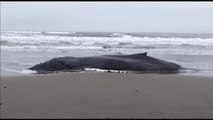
117 42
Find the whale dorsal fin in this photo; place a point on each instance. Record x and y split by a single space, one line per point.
140 54
131 55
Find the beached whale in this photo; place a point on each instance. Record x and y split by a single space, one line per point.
133 62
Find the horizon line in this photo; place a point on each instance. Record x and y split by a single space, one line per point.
105 32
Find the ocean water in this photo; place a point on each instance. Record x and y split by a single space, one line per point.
23 49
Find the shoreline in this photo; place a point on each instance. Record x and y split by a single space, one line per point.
24 73
106 95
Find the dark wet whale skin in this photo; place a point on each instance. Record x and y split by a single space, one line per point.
134 62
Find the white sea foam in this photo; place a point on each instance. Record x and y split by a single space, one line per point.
27 72
20 71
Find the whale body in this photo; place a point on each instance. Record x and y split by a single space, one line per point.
133 62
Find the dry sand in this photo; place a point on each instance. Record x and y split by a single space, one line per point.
106 95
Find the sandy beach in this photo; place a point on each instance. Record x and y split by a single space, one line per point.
106 95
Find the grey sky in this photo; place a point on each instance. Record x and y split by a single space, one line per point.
183 17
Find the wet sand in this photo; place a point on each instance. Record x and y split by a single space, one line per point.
106 95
